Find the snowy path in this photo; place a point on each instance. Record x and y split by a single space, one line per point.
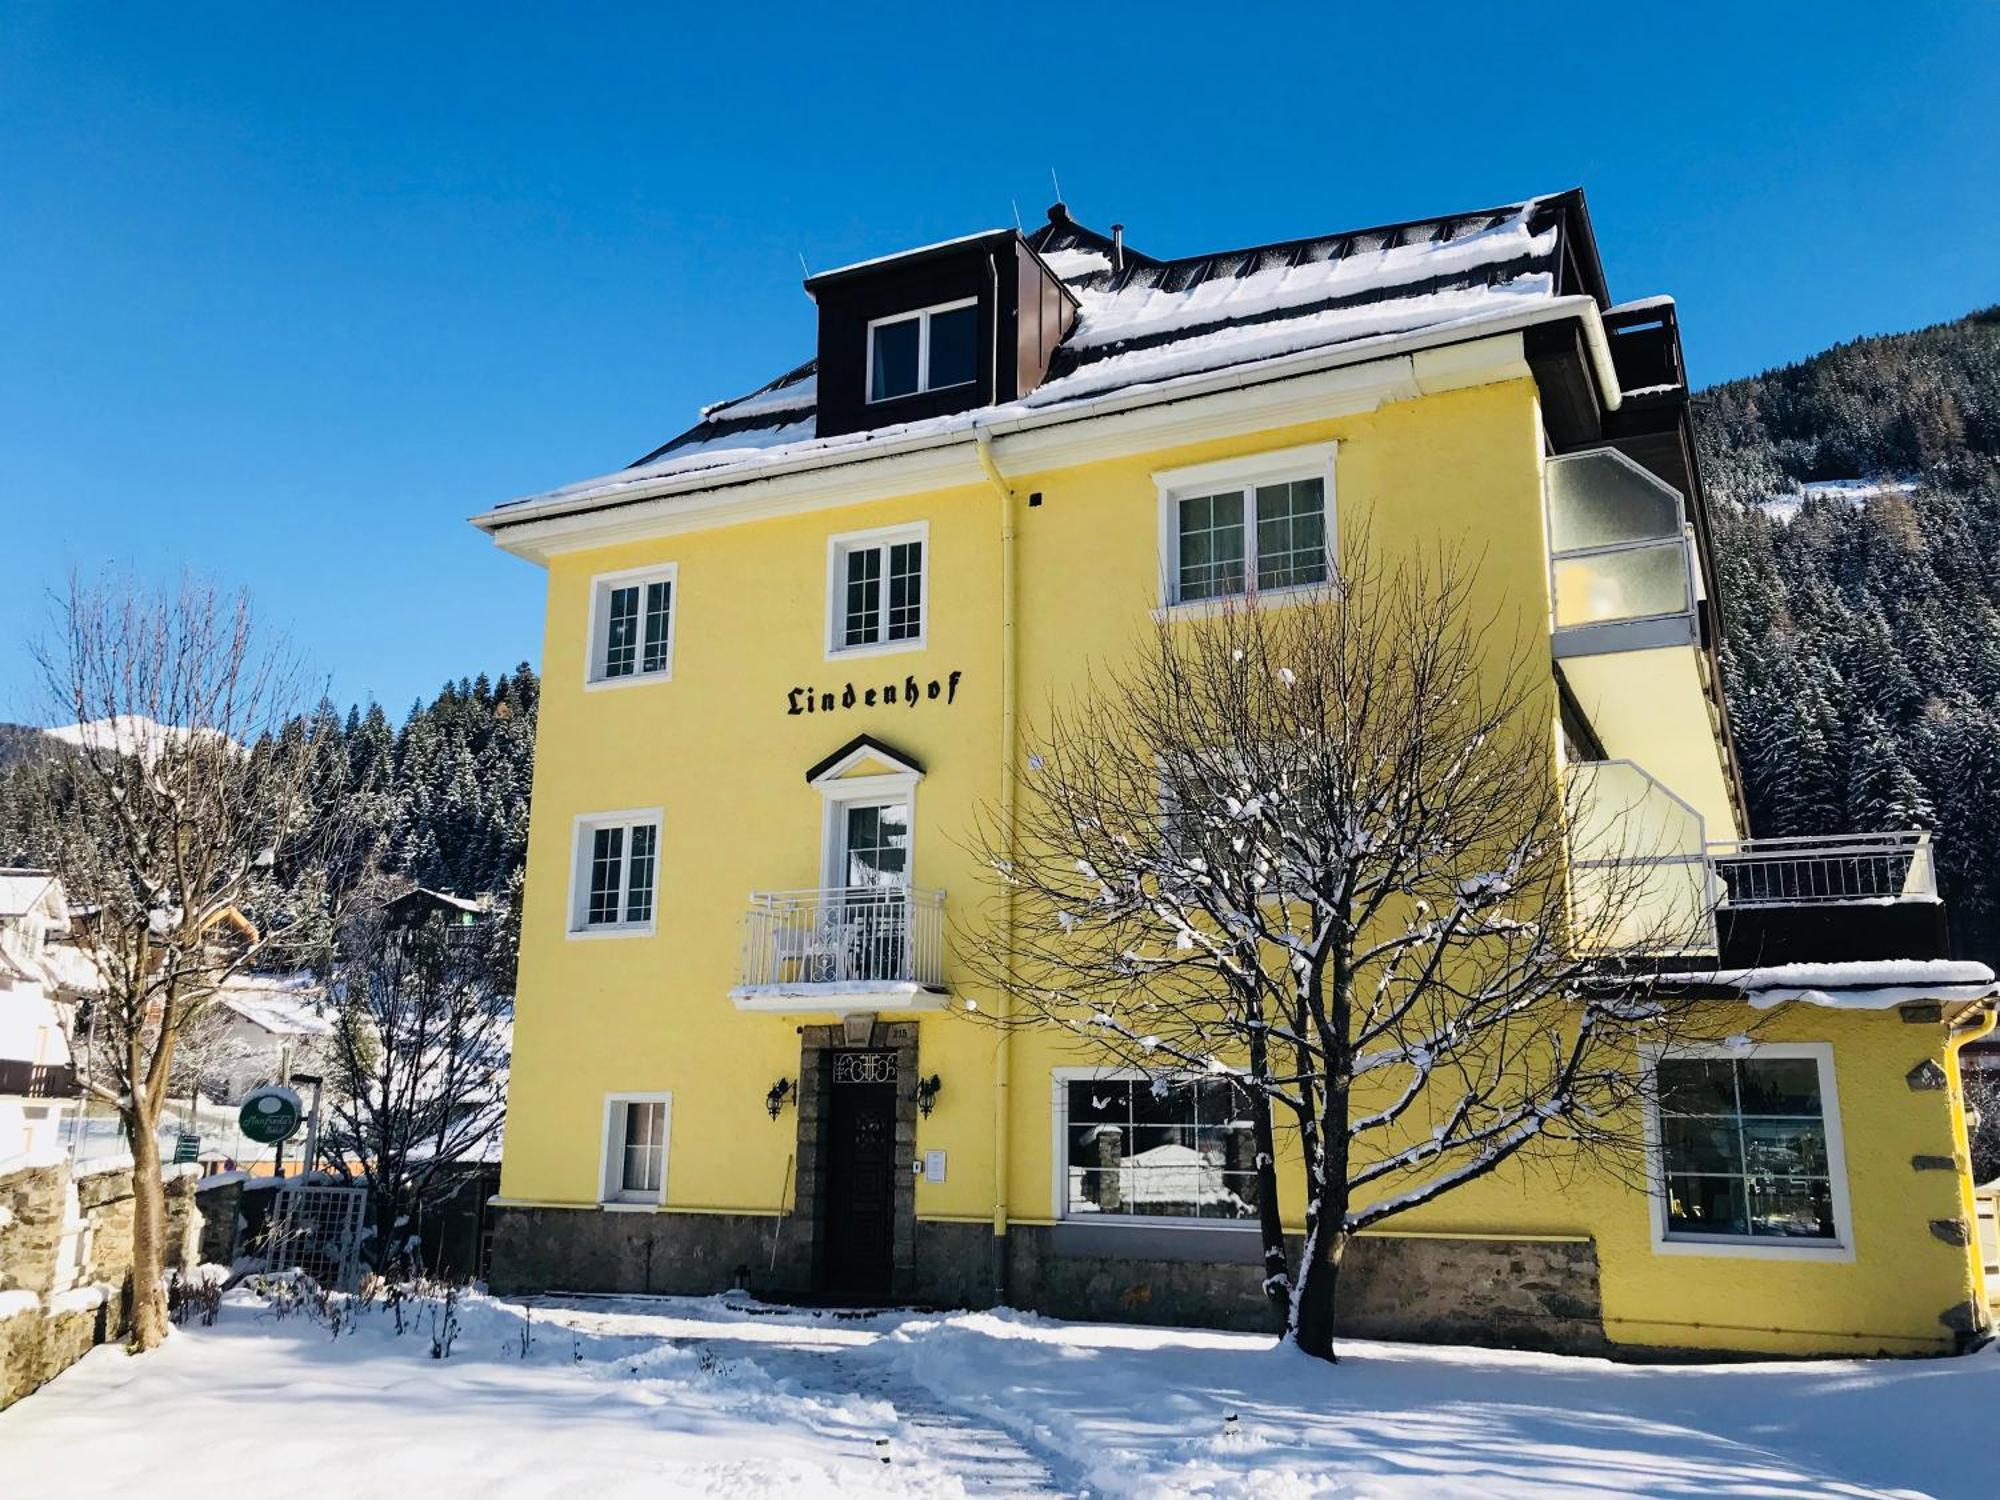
831 1357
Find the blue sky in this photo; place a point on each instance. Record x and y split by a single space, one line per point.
287 293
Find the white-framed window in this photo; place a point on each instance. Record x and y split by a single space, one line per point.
615 878
1132 1149
878 583
632 626
1746 1153
1241 527
636 1130
929 349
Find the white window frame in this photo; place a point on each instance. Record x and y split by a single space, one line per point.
1279 466
838 548
1059 1081
923 316
611 1192
596 640
583 827
837 795
1836 1251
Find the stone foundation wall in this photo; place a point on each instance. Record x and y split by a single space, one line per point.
66 1264
1516 1293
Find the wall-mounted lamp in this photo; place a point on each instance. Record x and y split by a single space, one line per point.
927 1092
774 1100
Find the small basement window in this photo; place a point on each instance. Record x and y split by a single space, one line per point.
632 626
931 349
616 872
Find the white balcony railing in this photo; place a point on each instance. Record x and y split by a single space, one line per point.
852 937
1850 869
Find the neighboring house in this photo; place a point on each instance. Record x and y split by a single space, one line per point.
37 1074
259 1029
787 656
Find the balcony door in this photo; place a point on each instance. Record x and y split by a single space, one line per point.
872 863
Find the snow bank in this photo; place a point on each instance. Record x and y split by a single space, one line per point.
17 1300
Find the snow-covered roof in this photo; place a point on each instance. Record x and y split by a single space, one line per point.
282 1004
1145 322
1874 985
21 891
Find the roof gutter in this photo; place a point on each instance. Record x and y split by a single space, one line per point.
1583 309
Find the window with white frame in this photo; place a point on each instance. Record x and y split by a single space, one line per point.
1130 1147
876 589
632 626
930 349
617 859
635 1147
1245 526
1748 1148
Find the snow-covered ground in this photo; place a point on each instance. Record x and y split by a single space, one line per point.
714 1397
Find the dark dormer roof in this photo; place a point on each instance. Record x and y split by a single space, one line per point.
1143 320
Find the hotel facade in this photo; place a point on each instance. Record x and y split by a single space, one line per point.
794 656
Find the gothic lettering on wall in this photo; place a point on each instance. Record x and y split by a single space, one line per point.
908 694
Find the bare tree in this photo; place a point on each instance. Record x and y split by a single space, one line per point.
1320 854
176 809
422 1033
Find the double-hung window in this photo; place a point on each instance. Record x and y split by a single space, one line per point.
1244 526
632 626
616 874
876 590
930 349
1748 1149
635 1147
1129 1147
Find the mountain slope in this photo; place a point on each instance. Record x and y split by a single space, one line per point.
1857 521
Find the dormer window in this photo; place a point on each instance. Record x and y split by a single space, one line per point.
931 349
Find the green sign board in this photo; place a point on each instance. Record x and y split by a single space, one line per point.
270 1115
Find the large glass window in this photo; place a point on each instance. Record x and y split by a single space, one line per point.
928 350
1744 1149
1135 1148
617 859
633 627
1272 533
878 584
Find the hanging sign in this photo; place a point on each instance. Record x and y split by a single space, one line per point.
909 693
270 1115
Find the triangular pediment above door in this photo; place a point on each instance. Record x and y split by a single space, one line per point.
864 755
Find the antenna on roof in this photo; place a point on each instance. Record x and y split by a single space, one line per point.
1058 184
1017 214
803 266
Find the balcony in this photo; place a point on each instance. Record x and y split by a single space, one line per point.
27 1080
855 948
1846 899
1644 875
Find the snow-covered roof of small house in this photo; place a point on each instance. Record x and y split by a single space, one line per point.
1147 322
282 1004
21 891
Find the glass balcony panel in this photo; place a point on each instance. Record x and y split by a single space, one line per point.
1601 500
1628 585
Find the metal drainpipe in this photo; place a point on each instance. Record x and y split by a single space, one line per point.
1003 1045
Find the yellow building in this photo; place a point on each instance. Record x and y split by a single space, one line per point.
791 654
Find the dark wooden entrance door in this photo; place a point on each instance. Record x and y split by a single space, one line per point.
860 1200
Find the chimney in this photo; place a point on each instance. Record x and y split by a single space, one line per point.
1118 247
